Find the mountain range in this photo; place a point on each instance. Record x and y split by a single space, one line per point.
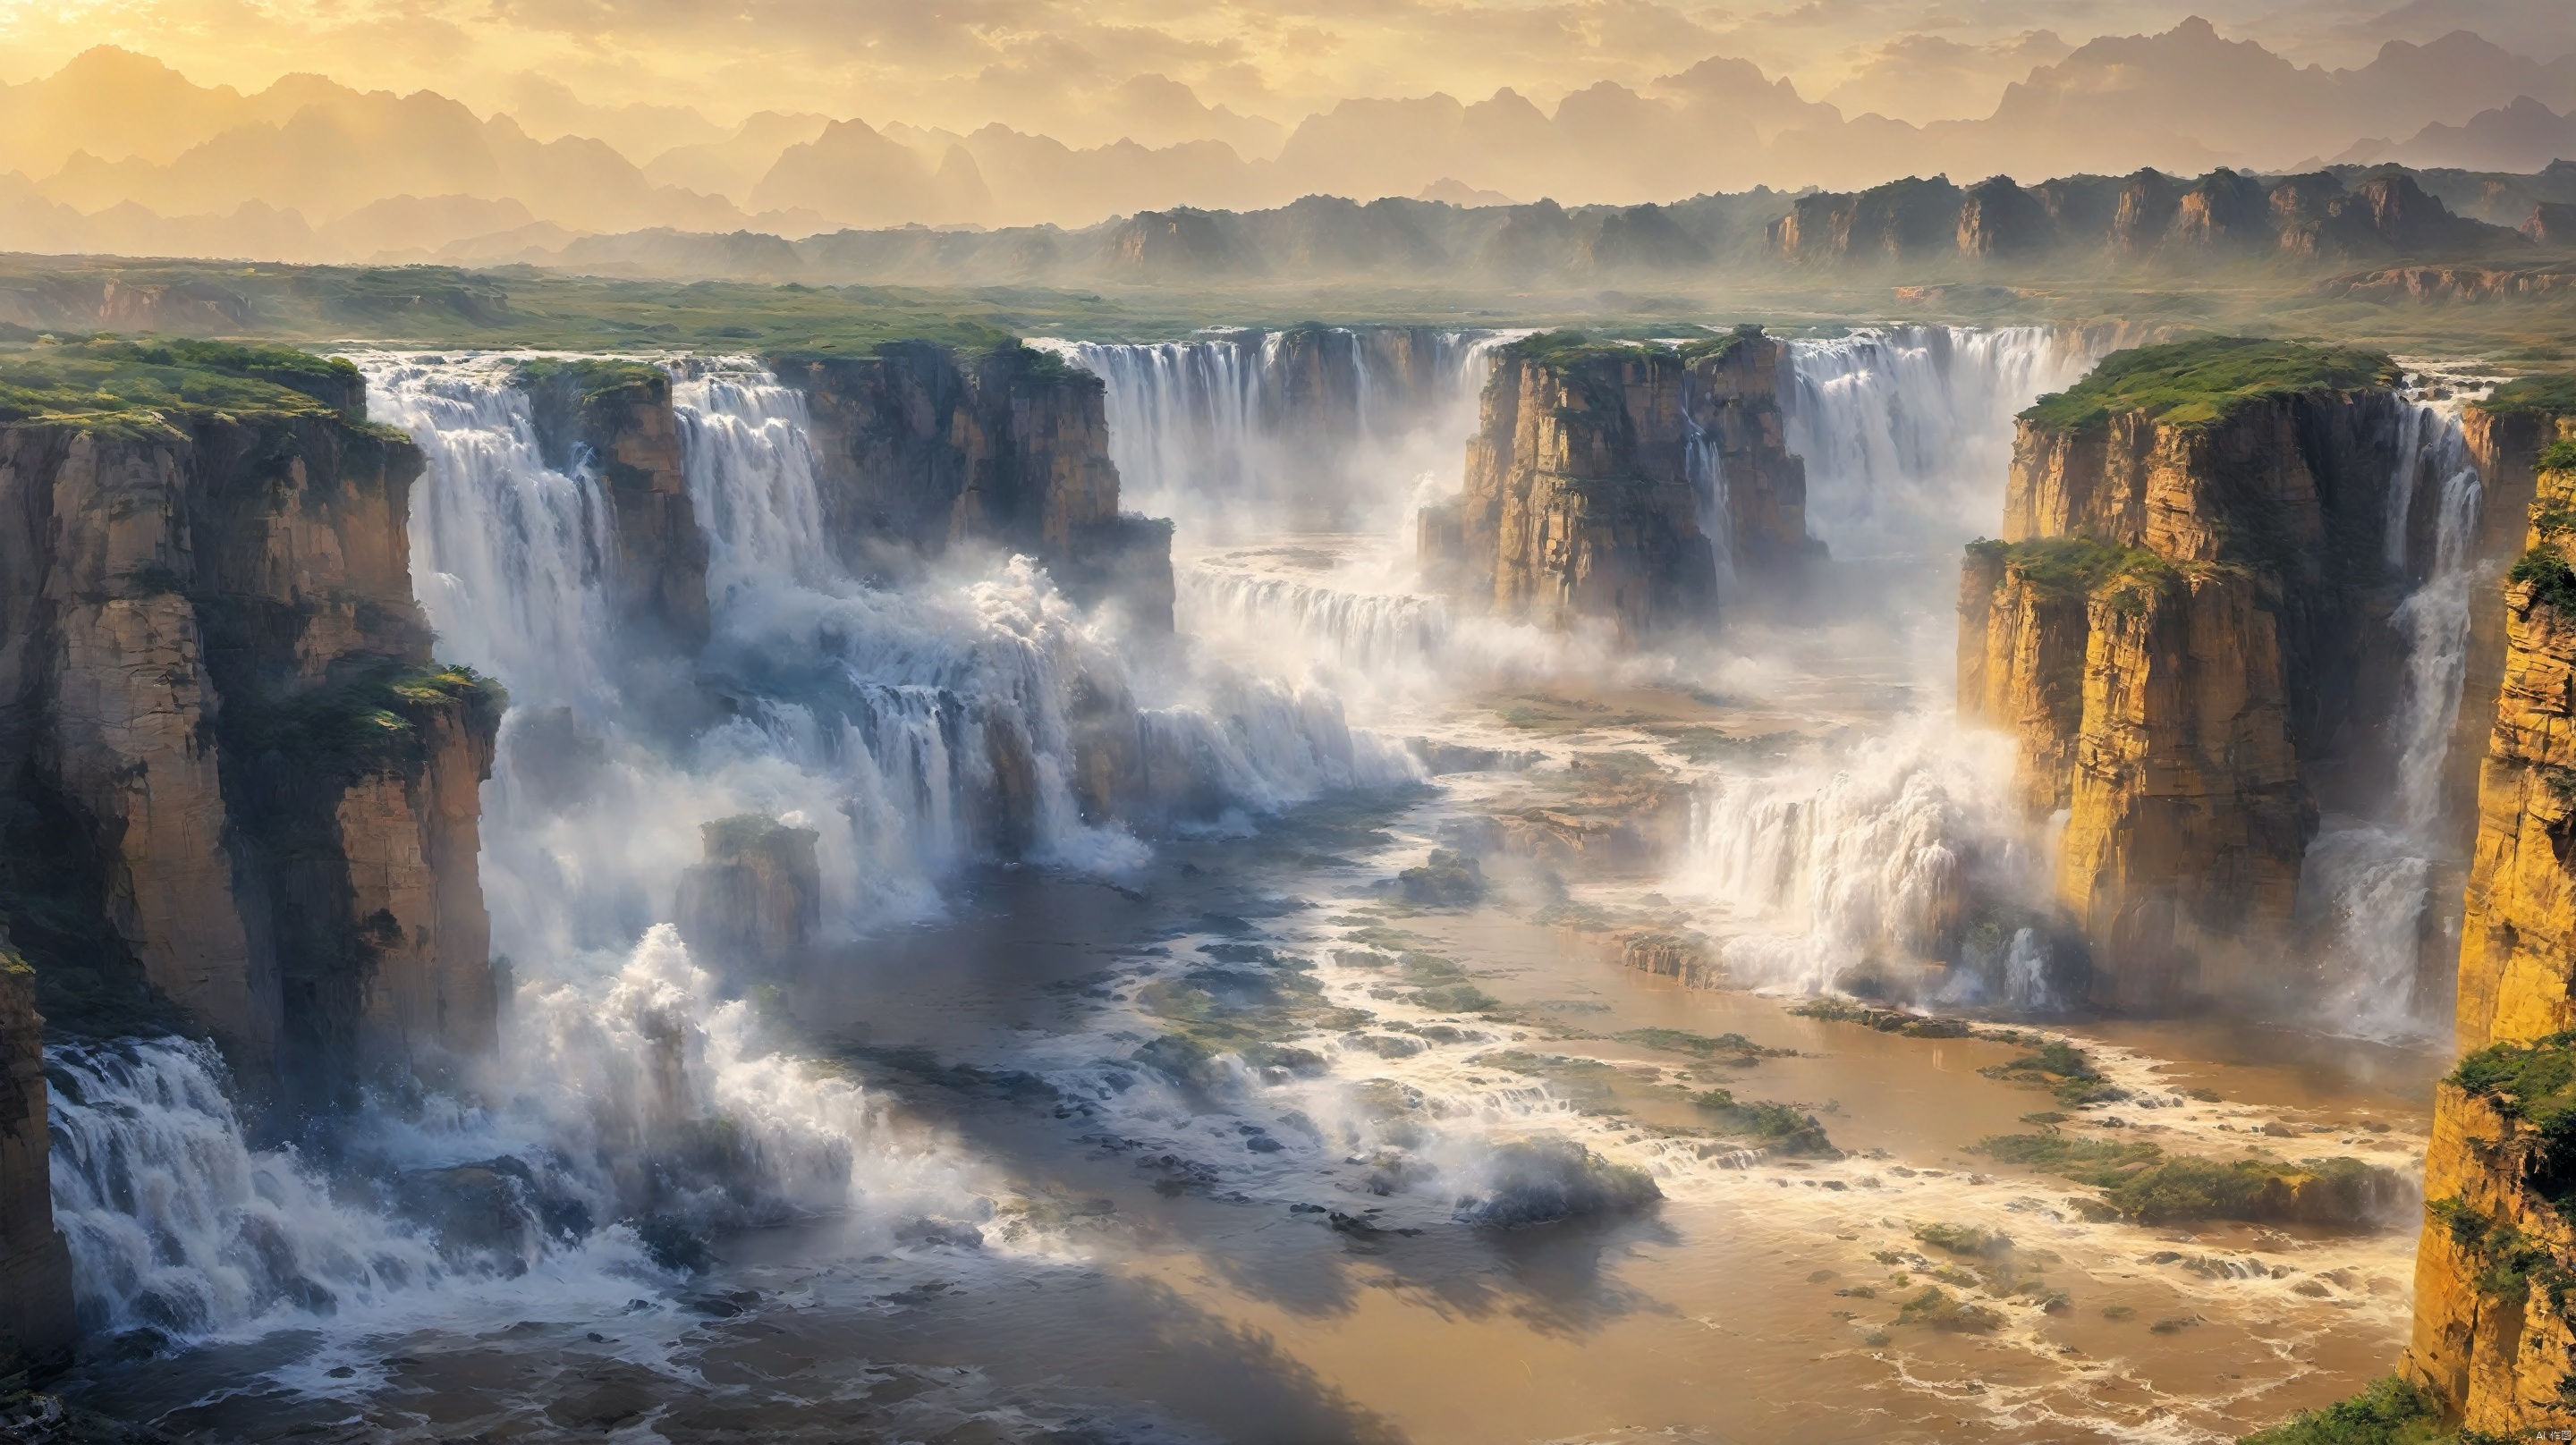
117 152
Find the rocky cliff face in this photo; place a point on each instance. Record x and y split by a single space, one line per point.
619 415
758 897
2495 1273
35 1268
1612 482
217 706
2174 627
2148 216
921 451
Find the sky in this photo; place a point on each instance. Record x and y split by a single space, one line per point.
1071 67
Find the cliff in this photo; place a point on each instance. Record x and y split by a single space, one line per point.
35 1268
920 450
2146 216
758 897
2497 1264
2505 433
2174 628
617 415
1616 482
238 788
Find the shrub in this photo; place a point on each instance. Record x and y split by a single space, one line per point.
2392 1411
2553 584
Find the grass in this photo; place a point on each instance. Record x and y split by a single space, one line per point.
2074 566
2142 1183
2391 1411
2096 1162
2201 381
1730 1047
1778 1127
591 377
2558 456
1965 1239
111 385
2534 396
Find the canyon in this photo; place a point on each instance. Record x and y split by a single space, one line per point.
670 849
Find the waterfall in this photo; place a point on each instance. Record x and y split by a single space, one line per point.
1237 433
2368 885
913 729
1705 470
1908 431
176 1224
1887 858
750 455
1862 868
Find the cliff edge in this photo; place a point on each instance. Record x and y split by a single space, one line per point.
1635 485
2173 628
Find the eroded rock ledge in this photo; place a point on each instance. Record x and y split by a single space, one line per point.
2174 626
921 450
243 798
1614 483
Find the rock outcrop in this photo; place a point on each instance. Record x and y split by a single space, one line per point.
758 897
255 793
1618 483
2172 626
920 450
2146 216
618 416
2495 1273
36 1329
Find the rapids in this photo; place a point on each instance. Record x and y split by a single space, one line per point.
1256 1115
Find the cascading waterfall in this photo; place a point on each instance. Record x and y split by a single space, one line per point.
1907 432
1908 848
1903 849
176 1224
628 1088
1239 433
2368 885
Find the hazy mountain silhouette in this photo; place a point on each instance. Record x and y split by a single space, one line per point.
117 149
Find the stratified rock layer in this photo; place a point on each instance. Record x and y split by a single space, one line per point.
2174 629
217 707
920 450
1613 484
620 414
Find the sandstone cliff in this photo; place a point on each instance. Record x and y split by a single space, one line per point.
2174 626
2495 1273
236 783
1617 483
921 450
618 415
35 1268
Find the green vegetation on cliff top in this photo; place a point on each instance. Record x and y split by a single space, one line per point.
2197 382
371 721
2072 565
2533 395
113 384
1561 349
593 376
